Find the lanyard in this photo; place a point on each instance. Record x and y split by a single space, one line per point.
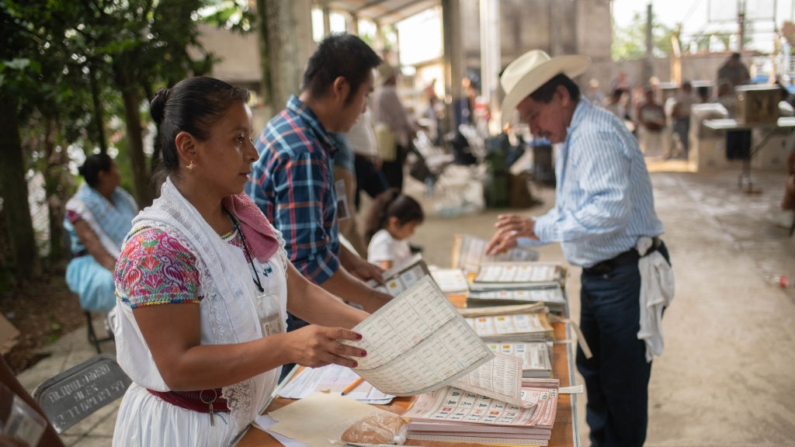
255 277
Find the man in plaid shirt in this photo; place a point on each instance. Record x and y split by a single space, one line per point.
293 180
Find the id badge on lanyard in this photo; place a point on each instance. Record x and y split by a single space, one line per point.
269 313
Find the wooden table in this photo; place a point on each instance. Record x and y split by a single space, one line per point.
565 432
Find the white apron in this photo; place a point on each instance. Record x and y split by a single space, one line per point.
232 311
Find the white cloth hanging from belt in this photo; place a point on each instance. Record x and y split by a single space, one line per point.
656 293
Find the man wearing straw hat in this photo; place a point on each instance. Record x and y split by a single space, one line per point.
604 218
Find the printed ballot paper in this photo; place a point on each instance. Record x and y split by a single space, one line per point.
469 253
417 343
401 277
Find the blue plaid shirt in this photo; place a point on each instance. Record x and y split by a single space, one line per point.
294 187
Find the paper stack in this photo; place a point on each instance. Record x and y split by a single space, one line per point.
451 281
513 328
469 253
552 297
518 274
454 415
536 357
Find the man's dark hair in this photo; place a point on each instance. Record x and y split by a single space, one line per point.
736 56
545 92
339 55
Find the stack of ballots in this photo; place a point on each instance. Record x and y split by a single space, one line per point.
551 296
505 283
454 415
536 357
513 328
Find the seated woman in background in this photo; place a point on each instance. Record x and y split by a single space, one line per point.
97 219
204 286
390 223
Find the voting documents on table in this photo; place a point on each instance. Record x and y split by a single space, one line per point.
454 415
500 378
504 328
400 277
452 281
469 252
332 378
417 342
551 296
536 357
530 273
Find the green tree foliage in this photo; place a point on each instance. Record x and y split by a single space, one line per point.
629 42
67 70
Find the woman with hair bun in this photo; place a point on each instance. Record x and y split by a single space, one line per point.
97 219
204 286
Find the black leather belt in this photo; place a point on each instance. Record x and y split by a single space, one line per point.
628 257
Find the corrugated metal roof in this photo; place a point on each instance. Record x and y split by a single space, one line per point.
386 12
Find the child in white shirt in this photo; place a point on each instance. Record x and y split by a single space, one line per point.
391 221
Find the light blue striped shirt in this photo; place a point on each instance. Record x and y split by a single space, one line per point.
604 200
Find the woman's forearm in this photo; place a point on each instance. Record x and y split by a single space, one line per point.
214 366
90 240
315 305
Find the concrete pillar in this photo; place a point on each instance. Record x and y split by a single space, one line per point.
648 67
290 42
379 38
555 28
490 49
353 24
454 68
326 21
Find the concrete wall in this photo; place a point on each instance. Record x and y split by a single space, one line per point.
695 67
555 26
238 54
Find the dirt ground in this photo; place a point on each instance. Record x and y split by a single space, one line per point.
42 311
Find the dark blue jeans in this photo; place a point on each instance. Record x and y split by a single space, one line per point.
617 376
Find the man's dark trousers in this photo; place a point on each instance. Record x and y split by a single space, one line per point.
617 376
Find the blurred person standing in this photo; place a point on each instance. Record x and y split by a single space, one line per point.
595 94
734 72
389 115
681 115
367 161
651 119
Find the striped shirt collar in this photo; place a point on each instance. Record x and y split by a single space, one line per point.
303 111
579 114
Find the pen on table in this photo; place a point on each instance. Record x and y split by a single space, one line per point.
352 386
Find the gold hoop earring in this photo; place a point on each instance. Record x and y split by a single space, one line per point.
191 165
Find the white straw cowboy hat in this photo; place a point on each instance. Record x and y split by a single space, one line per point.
532 70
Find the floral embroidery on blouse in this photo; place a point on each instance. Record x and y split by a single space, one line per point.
154 268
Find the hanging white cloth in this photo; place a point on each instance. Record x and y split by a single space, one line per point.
656 293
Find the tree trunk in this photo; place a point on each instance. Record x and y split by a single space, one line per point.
15 193
266 88
98 111
52 182
289 46
132 102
